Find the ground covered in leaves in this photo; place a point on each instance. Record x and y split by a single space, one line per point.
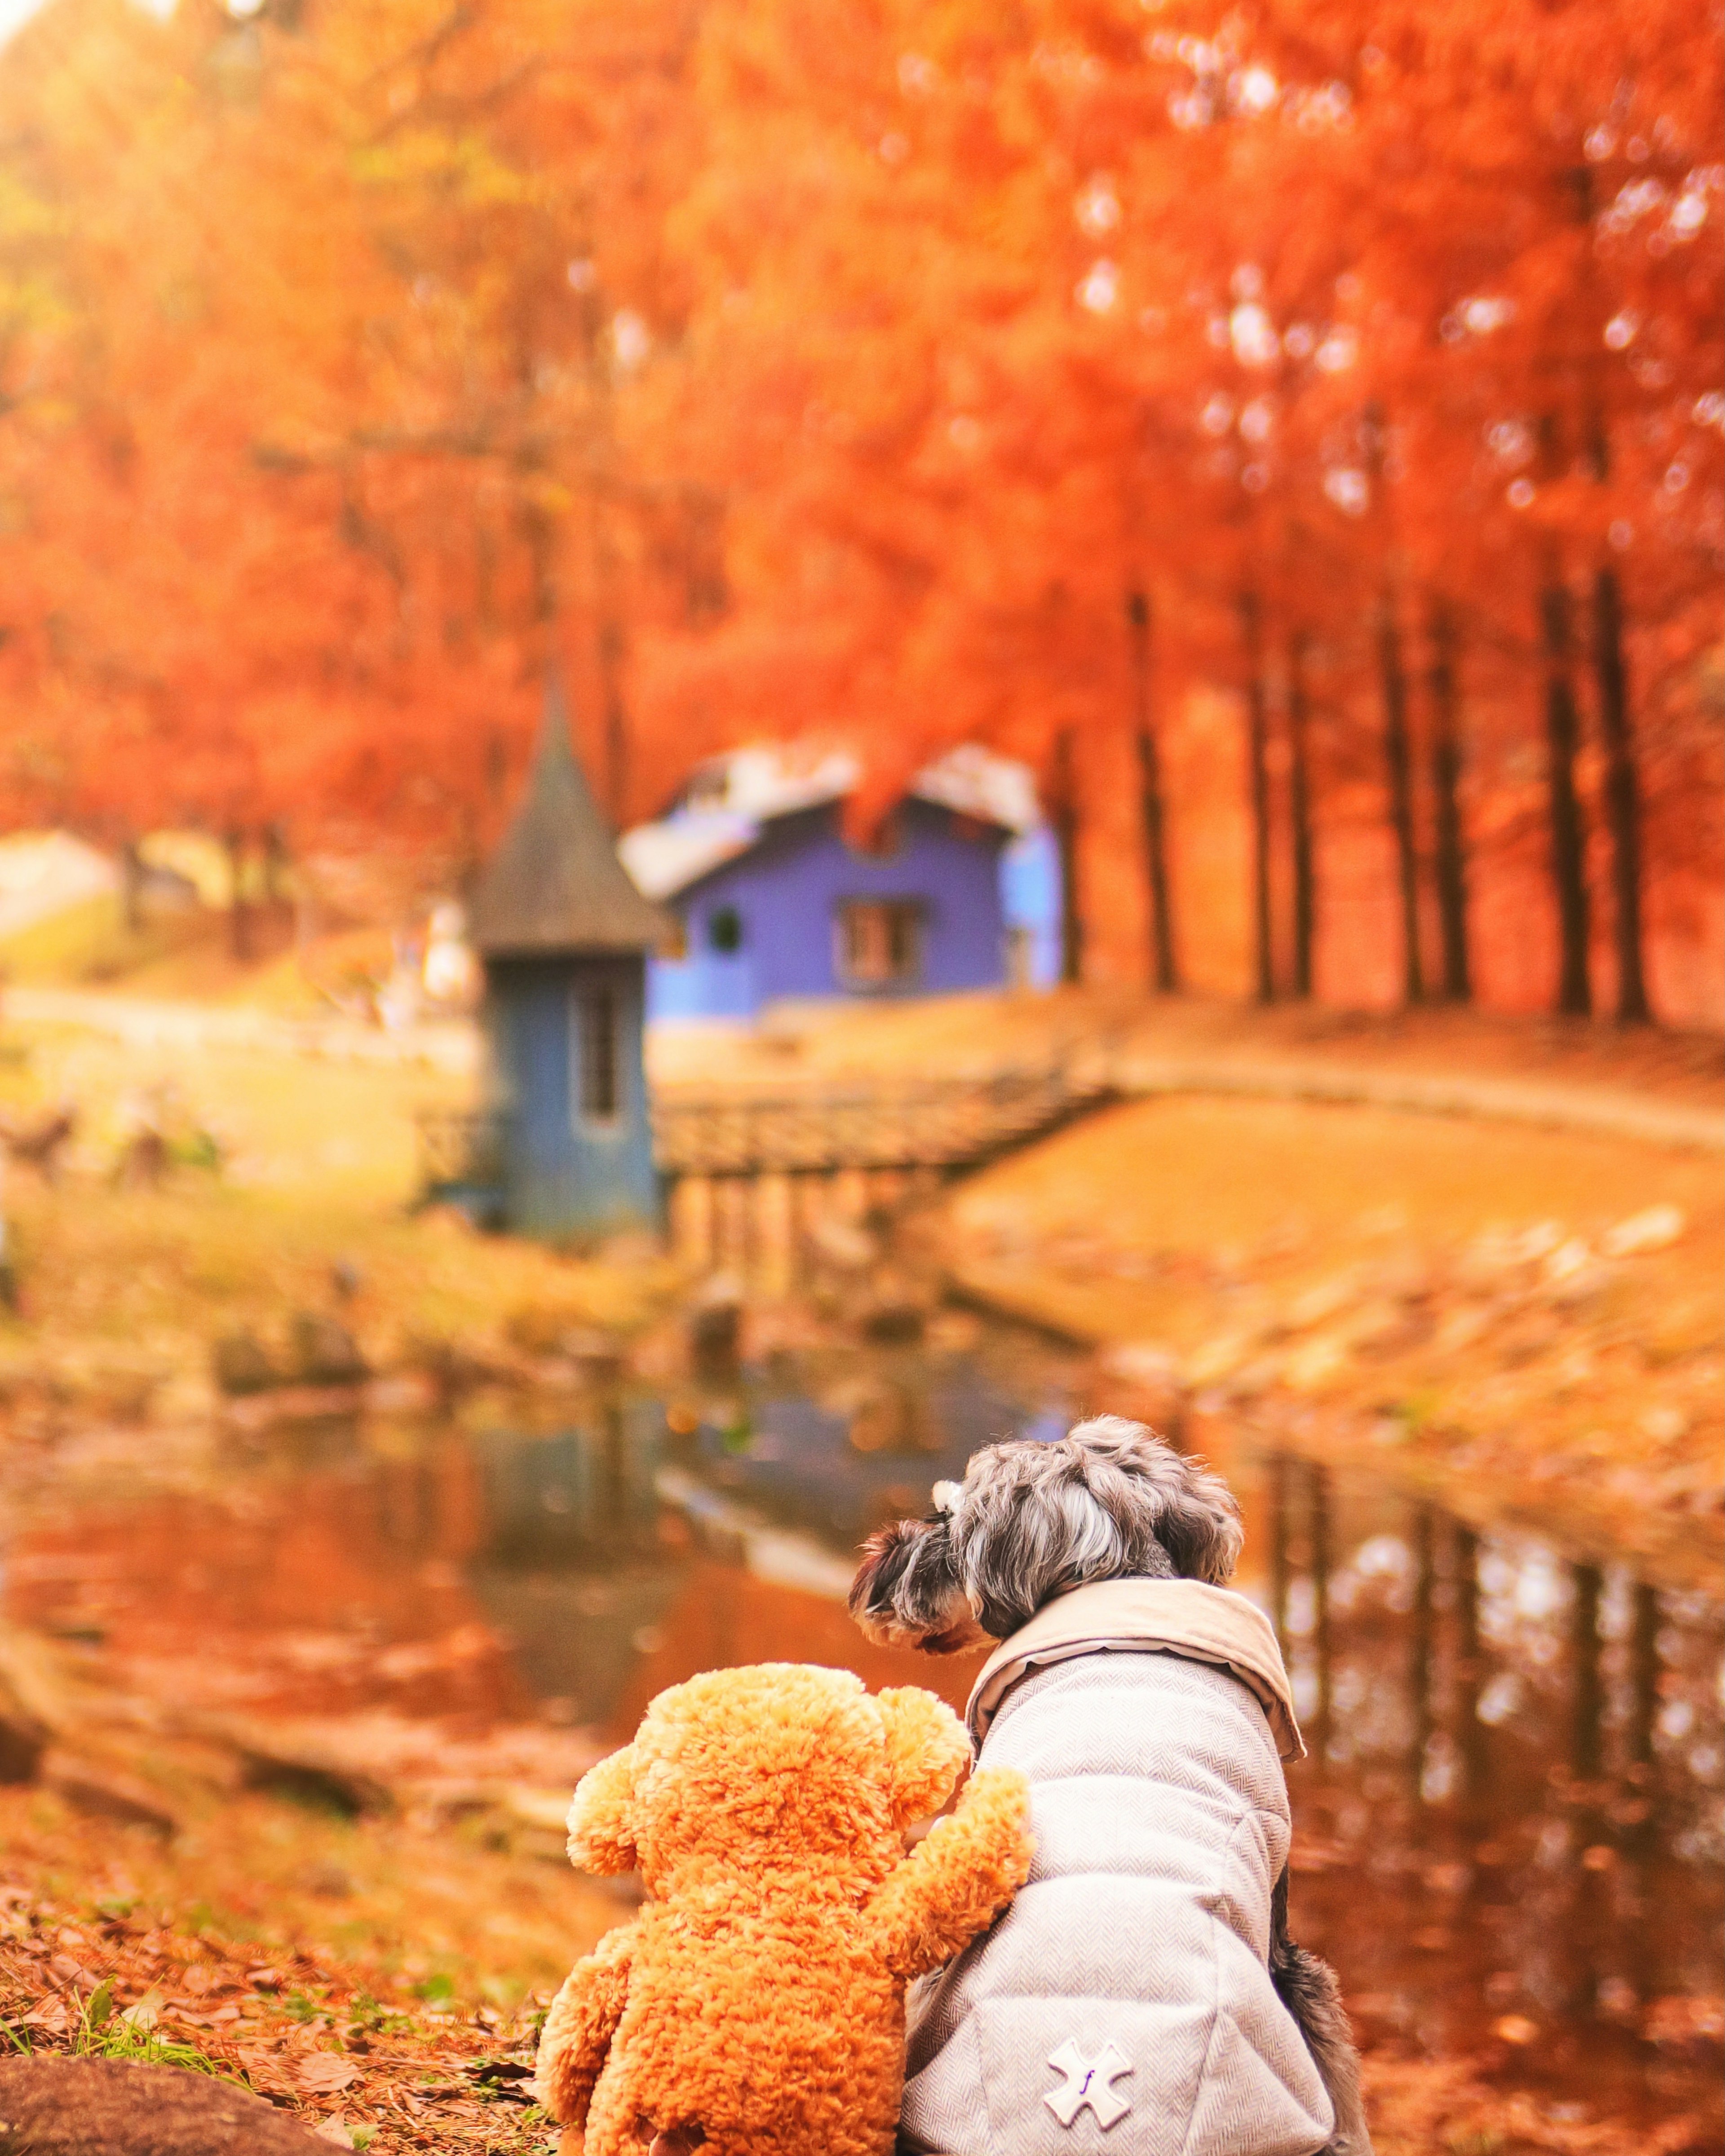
235 1951
383 1982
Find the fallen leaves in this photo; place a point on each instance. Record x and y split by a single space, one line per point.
324 2073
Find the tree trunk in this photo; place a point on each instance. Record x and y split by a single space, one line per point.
1393 686
131 886
1065 824
1152 805
239 913
1300 815
1563 735
275 861
1623 801
1451 864
1251 626
616 718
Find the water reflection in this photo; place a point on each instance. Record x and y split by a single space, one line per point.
1511 1827
1510 1838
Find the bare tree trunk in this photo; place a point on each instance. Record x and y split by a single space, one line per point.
1623 798
1065 824
1623 805
1251 626
616 717
131 886
239 912
1393 685
275 861
1562 736
1300 815
1451 864
1152 807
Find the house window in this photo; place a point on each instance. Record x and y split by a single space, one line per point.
724 929
599 1090
880 942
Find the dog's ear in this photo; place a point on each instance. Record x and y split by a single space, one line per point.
906 1591
1199 1525
926 1751
602 1815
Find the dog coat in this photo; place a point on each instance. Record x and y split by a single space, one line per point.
1123 2004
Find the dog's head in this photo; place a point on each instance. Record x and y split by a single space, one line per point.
1108 1501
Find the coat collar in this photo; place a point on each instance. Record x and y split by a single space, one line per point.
1155 1616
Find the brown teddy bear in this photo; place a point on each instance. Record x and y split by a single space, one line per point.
755 2005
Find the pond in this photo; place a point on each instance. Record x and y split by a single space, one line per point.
1509 1834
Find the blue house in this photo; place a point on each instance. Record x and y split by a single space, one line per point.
774 901
563 936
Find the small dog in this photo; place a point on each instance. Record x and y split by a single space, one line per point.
1032 1523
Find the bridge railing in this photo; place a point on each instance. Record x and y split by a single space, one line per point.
896 1124
893 1124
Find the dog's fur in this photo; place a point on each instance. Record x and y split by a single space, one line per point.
1108 1501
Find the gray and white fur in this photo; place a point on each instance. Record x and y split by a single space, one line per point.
1031 1521
1108 1501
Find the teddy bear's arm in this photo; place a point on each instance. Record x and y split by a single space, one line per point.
582 2020
958 1880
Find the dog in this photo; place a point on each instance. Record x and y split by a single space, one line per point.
1031 1524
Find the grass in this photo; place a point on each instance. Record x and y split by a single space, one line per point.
123 1291
91 943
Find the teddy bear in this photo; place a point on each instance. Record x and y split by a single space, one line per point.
755 2007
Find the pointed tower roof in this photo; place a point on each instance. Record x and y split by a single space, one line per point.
555 884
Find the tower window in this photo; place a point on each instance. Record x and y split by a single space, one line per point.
724 929
599 1088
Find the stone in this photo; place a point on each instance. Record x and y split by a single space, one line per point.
240 1364
105 1792
54 2106
324 1351
22 1737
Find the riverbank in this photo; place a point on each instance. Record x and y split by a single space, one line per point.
1526 1323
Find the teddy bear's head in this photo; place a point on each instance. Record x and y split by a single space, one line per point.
762 1768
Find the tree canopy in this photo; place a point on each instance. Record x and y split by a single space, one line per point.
1295 428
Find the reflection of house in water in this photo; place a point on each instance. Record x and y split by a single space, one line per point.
774 901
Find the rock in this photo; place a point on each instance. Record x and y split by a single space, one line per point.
843 1245
240 1364
308 1773
1656 1229
53 2106
30 1710
105 1792
714 1325
23 1737
324 1351
893 1323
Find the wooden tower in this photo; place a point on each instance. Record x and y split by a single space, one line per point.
563 936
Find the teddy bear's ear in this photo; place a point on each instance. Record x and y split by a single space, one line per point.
926 1751
602 1815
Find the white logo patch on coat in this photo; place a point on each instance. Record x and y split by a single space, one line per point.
1088 2083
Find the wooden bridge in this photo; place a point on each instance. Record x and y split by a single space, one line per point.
734 1157
944 1123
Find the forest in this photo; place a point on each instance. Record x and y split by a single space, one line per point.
1294 428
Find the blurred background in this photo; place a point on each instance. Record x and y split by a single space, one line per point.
739 745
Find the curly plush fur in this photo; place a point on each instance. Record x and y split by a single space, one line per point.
1108 1501
756 2007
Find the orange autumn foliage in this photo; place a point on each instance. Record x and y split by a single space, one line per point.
1294 428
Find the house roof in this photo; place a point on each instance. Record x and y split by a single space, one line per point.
555 884
729 801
